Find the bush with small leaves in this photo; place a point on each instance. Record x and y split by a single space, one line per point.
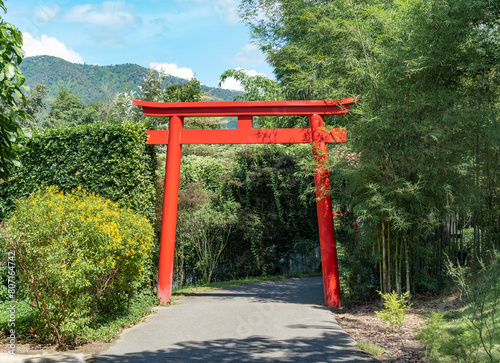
78 255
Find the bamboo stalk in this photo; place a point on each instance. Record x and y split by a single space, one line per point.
398 266
380 268
407 269
384 262
389 277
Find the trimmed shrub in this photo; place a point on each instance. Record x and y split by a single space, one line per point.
78 255
109 159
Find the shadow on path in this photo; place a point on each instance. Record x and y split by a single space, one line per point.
284 291
273 321
252 349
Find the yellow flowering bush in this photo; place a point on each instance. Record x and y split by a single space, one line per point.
77 254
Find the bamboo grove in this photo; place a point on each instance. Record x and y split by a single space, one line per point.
418 182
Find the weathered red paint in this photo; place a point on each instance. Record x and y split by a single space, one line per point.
246 134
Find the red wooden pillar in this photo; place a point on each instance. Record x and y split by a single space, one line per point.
170 202
331 284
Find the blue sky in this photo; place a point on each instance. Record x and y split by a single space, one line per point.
180 37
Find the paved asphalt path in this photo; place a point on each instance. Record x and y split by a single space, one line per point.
280 321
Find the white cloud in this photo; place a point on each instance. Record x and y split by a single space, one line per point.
232 84
110 23
109 14
49 46
227 10
235 85
43 14
173 69
250 54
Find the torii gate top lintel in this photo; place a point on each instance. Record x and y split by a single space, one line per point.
316 134
246 108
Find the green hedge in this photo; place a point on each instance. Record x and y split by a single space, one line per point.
108 159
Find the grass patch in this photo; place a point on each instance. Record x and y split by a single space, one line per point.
25 316
104 328
452 337
370 348
472 333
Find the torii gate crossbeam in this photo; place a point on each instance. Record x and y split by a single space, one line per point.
316 134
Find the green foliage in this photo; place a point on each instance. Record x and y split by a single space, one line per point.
278 213
207 170
109 159
79 255
469 334
11 87
88 82
122 108
255 88
64 103
154 88
432 334
104 328
206 216
188 92
395 309
423 138
482 290
450 338
35 104
261 88
107 326
204 229
69 110
266 189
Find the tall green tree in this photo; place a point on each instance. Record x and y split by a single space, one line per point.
34 101
427 74
11 83
68 109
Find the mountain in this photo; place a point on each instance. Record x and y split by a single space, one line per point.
91 82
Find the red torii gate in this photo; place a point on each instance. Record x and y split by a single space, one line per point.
175 136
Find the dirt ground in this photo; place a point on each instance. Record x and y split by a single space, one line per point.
362 324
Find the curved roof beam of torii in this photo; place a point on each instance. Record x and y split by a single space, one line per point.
246 108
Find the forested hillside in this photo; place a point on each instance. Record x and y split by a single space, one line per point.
92 83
